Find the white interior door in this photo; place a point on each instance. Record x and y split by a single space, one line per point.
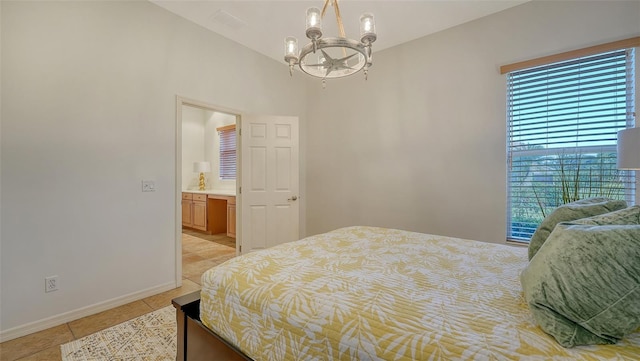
269 183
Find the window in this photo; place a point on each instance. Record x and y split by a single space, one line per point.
563 120
227 152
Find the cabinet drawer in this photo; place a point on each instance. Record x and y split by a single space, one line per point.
199 197
187 196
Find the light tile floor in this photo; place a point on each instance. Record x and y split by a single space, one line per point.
198 255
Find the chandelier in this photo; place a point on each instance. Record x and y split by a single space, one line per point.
329 58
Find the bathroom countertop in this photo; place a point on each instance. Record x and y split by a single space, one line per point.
219 192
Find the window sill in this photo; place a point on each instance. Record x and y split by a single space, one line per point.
515 242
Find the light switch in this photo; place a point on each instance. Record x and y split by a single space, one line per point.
148 186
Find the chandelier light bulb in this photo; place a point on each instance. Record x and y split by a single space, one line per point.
321 61
367 26
313 17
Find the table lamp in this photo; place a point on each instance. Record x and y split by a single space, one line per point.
202 168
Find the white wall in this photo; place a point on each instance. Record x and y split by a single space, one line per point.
89 93
193 144
421 145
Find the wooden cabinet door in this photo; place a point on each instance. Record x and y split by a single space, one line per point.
231 220
200 215
186 213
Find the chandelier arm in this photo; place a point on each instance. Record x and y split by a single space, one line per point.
326 56
347 57
333 67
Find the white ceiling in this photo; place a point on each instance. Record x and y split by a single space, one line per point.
262 25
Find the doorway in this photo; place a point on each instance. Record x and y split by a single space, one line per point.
205 198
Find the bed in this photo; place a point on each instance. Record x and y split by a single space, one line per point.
367 293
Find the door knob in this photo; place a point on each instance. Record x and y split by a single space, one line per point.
294 198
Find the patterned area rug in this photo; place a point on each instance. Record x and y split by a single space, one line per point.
149 337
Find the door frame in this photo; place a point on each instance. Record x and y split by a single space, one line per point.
180 102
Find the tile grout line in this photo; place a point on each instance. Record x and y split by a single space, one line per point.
68 324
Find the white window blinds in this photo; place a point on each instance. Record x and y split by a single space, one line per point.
227 152
562 132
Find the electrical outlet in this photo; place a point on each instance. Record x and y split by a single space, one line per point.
148 186
51 283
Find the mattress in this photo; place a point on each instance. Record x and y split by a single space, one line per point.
366 293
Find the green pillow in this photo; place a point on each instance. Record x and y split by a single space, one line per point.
570 212
629 215
583 285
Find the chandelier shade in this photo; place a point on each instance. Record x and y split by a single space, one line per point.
331 57
314 23
367 29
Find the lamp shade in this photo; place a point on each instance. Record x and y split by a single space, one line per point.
314 24
629 148
202 167
367 29
291 48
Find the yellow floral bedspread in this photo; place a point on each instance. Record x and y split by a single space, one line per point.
364 293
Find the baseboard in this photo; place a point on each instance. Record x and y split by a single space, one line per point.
73 315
